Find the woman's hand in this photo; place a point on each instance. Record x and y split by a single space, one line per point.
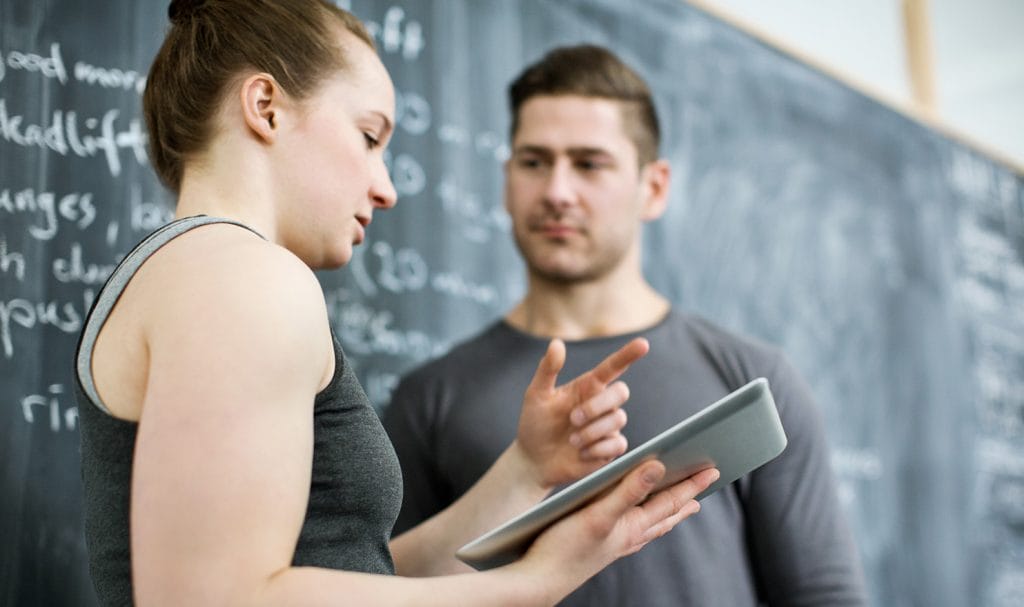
618 524
568 431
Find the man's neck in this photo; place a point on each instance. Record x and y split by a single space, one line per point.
586 310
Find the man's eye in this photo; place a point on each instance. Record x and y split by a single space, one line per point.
529 163
371 141
588 165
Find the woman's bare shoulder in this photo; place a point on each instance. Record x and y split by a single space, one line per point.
224 266
224 289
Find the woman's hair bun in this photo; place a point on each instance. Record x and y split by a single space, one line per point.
180 11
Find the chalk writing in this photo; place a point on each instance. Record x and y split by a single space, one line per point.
49 67
998 457
1007 586
111 78
393 36
112 230
74 270
455 285
478 221
380 385
75 207
62 136
854 467
53 66
400 271
486 143
489 142
365 330
857 463
1007 499
11 259
407 175
145 215
450 133
48 408
412 113
404 270
65 317
1001 403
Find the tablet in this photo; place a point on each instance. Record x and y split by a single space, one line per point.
735 434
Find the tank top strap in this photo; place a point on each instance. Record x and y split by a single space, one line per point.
116 284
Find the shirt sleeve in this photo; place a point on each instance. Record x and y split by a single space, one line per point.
801 547
408 420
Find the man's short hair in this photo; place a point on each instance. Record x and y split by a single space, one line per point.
592 71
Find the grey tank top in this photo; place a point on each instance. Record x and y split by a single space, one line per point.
356 485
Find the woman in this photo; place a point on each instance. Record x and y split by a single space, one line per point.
229 454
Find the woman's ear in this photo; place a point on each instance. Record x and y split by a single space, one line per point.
655 178
261 101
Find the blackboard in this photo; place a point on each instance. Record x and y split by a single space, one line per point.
885 258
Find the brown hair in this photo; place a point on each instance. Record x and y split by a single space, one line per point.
592 71
210 42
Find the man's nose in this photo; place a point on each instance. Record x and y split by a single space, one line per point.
559 191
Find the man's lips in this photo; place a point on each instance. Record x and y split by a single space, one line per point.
555 230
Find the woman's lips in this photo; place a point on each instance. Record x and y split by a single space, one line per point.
363 222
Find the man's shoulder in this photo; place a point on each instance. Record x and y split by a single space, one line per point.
734 356
715 339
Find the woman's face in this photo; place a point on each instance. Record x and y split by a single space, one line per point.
333 173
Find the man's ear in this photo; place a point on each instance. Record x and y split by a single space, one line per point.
262 100
655 179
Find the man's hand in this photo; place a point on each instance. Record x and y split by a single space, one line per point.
568 431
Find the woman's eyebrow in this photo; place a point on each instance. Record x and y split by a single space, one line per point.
386 127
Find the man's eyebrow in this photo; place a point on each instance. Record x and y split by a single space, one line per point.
589 151
532 149
573 151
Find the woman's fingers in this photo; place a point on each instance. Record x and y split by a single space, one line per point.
670 506
631 490
677 498
623 520
649 516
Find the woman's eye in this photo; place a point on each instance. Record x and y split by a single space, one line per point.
371 141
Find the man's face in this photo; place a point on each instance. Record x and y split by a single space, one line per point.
573 188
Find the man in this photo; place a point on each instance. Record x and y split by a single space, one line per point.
583 178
